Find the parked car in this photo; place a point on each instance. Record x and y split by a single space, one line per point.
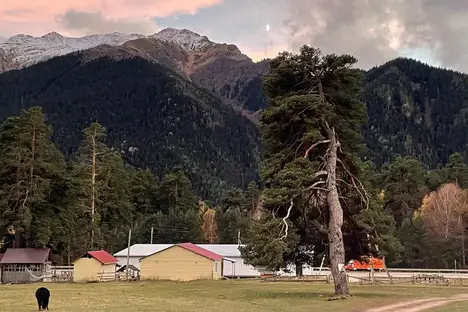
365 263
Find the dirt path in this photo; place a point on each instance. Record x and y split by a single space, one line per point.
418 304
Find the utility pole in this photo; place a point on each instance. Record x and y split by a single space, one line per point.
128 252
152 231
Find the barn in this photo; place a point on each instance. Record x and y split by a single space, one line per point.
24 265
138 251
96 265
181 262
233 264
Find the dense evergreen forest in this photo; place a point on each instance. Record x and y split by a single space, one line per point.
92 199
154 117
91 149
415 109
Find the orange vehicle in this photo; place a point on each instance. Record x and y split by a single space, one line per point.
364 264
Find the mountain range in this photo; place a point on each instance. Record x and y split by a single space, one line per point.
177 98
219 68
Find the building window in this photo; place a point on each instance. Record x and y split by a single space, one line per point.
216 268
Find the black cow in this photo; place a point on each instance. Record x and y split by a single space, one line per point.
42 296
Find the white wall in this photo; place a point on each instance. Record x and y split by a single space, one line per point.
238 269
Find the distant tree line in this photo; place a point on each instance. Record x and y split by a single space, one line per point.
92 199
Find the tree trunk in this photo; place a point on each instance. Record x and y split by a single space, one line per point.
93 188
335 234
462 228
299 269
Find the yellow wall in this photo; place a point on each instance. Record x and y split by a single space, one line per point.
89 269
178 264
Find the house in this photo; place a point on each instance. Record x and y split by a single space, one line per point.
181 262
233 264
24 265
96 265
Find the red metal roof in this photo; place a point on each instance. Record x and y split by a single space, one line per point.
102 256
201 251
25 256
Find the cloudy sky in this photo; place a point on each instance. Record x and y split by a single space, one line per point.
374 31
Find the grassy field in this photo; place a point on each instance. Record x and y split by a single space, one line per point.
226 296
461 306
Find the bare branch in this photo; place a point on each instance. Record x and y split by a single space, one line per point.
306 155
286 226
320 173
360 189
315 186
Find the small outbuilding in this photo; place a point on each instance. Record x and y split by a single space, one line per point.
96 265
182 262
24 265
133 272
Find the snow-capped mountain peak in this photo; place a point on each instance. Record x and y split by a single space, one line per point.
52 36
25 50
188 39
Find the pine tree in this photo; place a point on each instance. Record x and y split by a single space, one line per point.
176 193
31 171
456 170
404 184
143 188
99 190
312 134
251 198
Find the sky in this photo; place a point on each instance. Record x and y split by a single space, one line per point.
375 31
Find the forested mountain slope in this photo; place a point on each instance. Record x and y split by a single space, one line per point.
415 109
156 118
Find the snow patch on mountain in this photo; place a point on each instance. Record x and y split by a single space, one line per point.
28 50
25 50
189 40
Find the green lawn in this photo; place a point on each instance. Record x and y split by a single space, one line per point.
225 296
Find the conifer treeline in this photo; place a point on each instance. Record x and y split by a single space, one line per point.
91 200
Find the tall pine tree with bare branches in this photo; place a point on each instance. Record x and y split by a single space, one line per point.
311 169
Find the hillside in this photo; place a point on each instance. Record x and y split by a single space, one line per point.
415 109
153 115
219 68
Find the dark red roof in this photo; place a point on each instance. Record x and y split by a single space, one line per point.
25 256
102 256
1 256
201 251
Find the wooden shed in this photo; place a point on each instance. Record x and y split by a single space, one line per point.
96 265
24 265
182 262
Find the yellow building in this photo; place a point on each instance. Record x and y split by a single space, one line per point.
182 262
96 265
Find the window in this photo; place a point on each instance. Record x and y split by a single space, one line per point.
216 268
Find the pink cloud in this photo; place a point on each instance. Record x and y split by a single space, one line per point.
39 16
